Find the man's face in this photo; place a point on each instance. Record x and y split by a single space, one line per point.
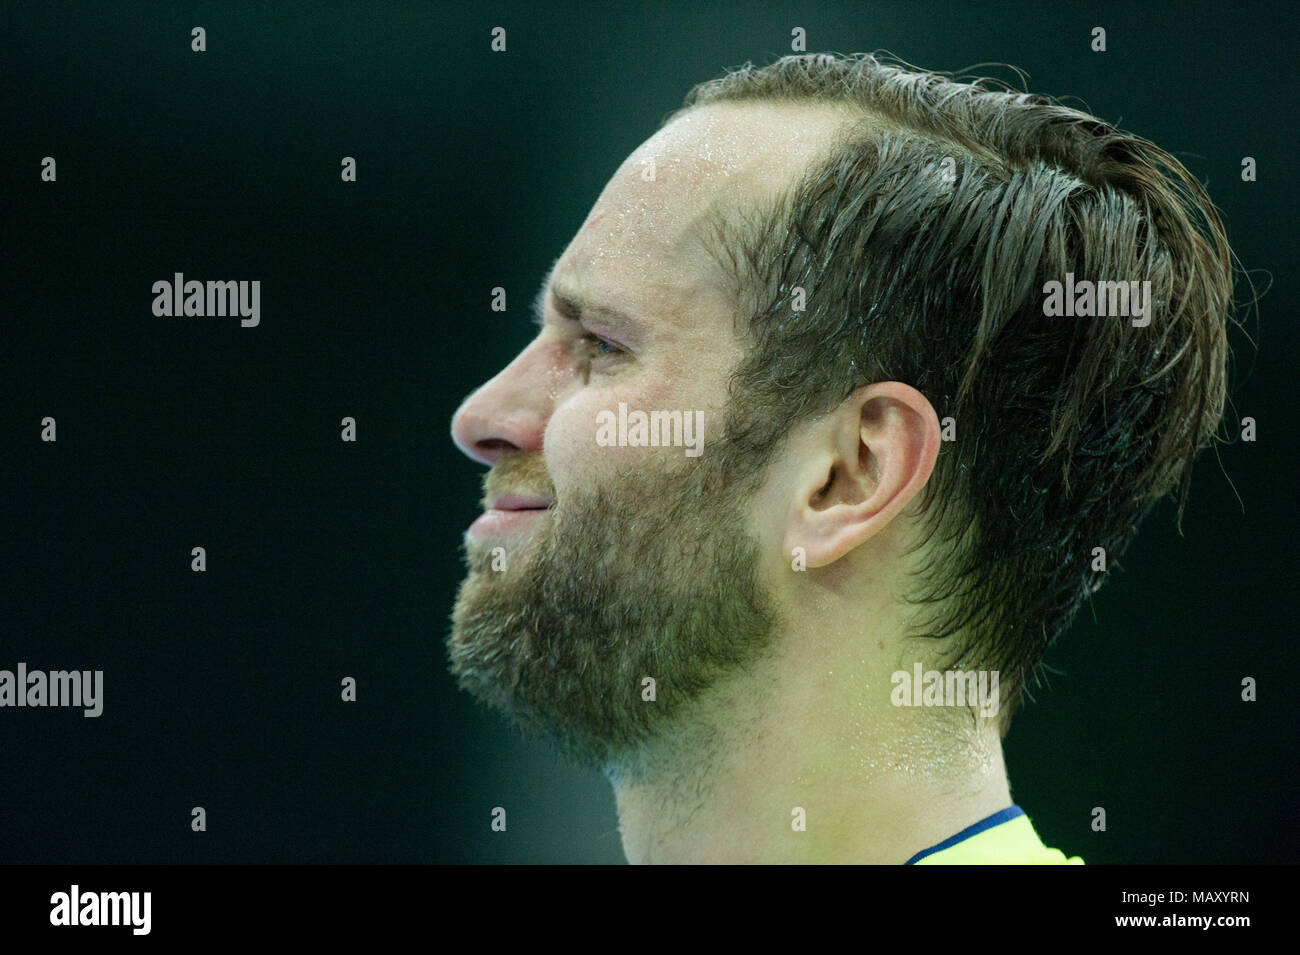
603 562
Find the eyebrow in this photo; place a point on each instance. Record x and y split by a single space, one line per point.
575 307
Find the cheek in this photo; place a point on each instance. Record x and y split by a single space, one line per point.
573 457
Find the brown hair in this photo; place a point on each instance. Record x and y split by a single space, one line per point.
1068 429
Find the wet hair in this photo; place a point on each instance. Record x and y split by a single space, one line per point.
923 241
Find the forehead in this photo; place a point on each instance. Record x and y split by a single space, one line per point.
640 239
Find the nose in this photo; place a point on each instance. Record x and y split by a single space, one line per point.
508 413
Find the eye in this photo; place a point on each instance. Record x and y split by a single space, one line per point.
600 347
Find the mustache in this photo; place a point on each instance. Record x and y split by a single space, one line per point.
518 473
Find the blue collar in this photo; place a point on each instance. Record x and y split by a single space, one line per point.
988 822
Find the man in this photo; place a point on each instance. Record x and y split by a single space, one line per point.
810 459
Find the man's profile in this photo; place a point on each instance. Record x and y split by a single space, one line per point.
832 279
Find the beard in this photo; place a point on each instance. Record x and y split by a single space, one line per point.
652 575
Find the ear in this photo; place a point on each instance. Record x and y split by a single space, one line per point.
864 463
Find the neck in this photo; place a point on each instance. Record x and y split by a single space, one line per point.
803 760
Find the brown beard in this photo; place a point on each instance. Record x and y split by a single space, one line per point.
652 576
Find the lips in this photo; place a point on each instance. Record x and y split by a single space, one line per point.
519 502
507 512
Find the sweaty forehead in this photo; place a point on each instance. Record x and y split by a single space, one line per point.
641 231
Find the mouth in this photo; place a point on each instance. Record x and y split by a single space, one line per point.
519 502
508 512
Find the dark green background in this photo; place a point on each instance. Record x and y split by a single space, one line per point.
329 559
